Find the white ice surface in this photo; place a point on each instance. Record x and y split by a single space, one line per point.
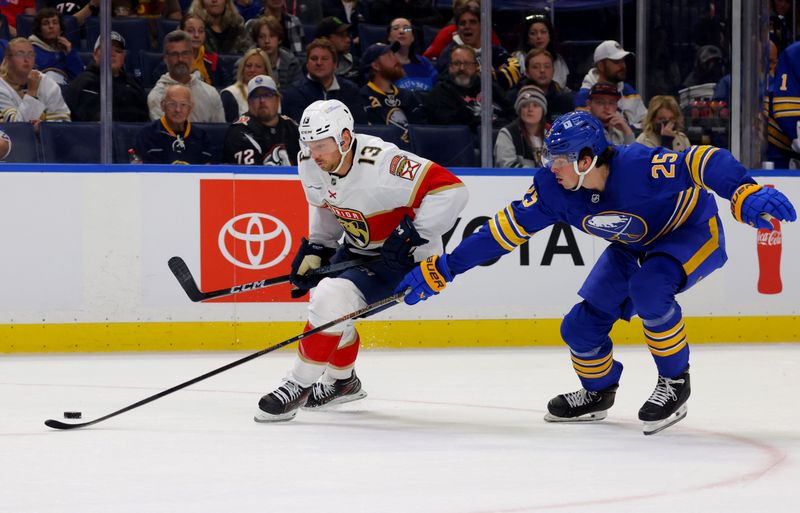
442 431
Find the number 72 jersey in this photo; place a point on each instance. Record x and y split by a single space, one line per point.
383 185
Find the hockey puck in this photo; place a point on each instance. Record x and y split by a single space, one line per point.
72 414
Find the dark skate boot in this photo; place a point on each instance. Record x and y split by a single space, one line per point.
283 403
667 405
324 393
581 406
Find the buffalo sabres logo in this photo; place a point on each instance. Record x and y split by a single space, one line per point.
277 156
616 226
178 145
354 223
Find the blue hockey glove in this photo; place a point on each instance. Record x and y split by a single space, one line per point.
427 279
751 200
309 256
398 248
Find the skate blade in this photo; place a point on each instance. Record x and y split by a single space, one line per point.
339 400
653 427
264 417
589 417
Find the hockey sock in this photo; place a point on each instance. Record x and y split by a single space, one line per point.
340 365
666 339
313 355
597 371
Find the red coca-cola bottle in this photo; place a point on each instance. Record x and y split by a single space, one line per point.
769 244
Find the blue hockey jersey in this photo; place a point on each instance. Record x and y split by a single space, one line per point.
649 195
784 108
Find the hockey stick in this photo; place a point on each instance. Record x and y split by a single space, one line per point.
185 278
390 301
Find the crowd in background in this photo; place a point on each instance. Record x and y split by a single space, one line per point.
256 65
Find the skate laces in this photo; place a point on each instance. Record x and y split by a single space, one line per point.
322 390
288 392
664 391
579 398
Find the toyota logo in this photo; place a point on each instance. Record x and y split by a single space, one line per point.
257 234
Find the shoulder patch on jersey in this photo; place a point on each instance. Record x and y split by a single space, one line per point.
243 120
403 167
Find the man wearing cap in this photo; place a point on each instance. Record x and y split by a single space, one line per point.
129 98
609 61
603 103
338 32
384 102
173 139
708 67
262 136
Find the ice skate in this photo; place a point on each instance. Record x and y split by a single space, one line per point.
282 404
325 393
581 406
667 405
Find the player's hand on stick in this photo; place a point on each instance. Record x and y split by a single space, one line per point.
309 256
426 280
751 201
399 247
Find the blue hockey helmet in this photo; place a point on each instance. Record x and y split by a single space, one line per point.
574 131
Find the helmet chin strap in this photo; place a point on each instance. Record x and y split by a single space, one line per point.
342 153
582 176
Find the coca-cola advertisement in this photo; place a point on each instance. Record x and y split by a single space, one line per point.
769 244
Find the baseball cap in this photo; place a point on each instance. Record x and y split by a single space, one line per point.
530 94
115 38
610 50
709 52
604 89
331 25
260 81
376 50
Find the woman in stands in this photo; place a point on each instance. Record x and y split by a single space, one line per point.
55 55
267 33
420 72
234 97
662 125
445 36
205 62
225 31
520 143
538 33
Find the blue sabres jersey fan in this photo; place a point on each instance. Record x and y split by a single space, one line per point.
783 137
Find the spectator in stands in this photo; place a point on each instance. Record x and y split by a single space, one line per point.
603 103
205 62
248 9
539 72
416 12
321 83
308 11
780 17
384 102
234 97
351 12
172 139
5 146
445 36
25 93
129 98
55 55
538 33
609 61
11 8
225 31
520 143
663 124
708 67
292 27
420 72
468 32
81 9
178 55
456 97
338 32
146 8
267 32
262 137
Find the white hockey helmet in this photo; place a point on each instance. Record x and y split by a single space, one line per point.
323 119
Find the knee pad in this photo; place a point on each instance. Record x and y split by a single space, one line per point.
653 287
333 298
585 328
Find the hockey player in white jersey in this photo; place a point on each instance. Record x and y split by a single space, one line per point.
377 200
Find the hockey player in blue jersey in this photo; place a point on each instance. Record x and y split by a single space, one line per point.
783 122
654 208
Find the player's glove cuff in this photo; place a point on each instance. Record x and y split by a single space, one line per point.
738 200
427 279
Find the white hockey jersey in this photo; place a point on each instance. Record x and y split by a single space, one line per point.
384 184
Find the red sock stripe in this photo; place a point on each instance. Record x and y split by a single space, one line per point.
346 356
318 347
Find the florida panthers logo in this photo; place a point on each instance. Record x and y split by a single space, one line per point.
354 223
616 226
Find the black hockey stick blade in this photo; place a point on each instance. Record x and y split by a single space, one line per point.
189 285
386 302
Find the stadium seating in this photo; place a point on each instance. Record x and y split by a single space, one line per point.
124 139
5 34
428 35
163 27
136 32
24 147
216 134
447 145
369 34
388 133
228 62
309 33
70 143
148 63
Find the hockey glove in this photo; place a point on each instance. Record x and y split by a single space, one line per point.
751 200
425 280
310 256
398 248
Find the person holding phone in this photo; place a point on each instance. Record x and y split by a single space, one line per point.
663 124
